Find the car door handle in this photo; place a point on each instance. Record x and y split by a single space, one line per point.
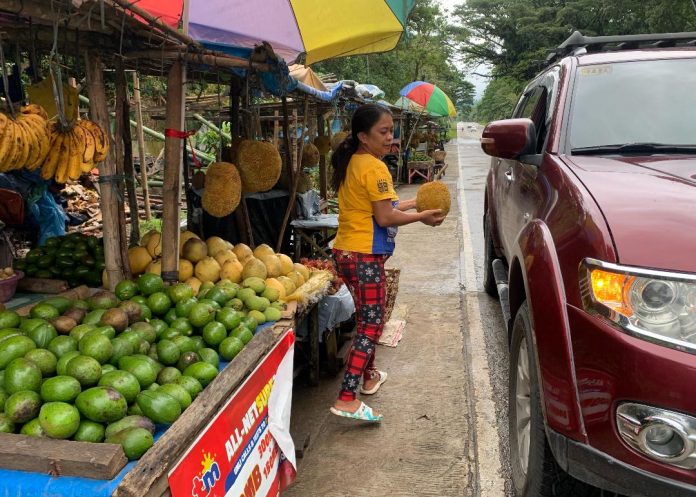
508 175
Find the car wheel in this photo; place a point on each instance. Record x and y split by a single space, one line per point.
489 284
535 472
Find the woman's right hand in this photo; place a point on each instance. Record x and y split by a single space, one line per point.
433 217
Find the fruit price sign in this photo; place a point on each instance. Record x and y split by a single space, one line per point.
246 450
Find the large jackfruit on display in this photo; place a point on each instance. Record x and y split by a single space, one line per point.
259 165
338 138
310 155
223 189
433 195
323 144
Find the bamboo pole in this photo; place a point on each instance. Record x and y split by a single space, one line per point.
276 129
212 126
323 182
171 191
141 144
119 142
99 113
122 113
296 180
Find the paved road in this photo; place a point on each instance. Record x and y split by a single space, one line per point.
444 402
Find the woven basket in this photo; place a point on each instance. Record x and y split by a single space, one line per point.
392 275
439 155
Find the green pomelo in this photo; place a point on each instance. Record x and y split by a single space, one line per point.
179 292
60 389
102 404
229 318
235 304
9 319
29 324
218 295
145 330
272 294
272 314
126 290
186 359
61 303
59 419
183 307
168 375
242 333
159 326
94 317
102 300
245 293
149 283
43 311
185 344
33 429
62 365
258 285
122 381
6 424
258 316
159 303
139 367
79 331
182 325
121 347
108 368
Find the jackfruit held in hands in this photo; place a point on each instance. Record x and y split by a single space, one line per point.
310 155
323 144
433 195
259 165
223 189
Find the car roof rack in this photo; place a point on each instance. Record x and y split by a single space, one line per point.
578 43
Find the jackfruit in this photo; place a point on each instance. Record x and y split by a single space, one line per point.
310 155
433 195
323 144
223 189
259 165
338 138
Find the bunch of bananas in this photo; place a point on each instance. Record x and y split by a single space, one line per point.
24 139
74 151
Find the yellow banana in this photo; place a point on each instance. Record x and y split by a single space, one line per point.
17 146
6 142
33 142
48 168
3 122
41 132
35 109
101 140
61 174
75 158
88 148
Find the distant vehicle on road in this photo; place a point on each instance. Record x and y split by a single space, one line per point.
471 127
590 210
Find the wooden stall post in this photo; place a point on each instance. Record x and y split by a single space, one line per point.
286 138
171 189
323 183
110 205
123 124
141 144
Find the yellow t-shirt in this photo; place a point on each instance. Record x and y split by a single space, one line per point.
367 180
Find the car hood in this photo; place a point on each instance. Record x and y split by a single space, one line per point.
649 204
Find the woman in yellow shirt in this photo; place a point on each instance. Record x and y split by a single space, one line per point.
369 213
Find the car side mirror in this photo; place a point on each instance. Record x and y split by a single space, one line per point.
509 138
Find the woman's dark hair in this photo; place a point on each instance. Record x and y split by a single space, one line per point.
364 118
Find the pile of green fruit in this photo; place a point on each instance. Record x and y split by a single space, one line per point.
76 258
110 368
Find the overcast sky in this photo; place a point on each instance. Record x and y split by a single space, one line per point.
479 83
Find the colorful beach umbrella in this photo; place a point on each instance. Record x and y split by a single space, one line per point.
317 29
430 97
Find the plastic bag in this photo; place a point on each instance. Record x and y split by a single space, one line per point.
48 214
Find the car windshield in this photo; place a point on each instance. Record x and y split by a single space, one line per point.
633 107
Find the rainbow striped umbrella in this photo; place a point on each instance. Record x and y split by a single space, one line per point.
317 29
430 97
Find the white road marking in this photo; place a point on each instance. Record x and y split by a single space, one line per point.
489 467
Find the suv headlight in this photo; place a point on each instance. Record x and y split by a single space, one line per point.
658 306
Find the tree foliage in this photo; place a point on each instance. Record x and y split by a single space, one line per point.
515 36
425 53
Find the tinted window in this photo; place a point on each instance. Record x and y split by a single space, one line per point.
634 102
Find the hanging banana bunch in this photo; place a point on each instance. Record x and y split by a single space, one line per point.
74 151
24 139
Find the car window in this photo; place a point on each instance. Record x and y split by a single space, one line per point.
529 103
634 102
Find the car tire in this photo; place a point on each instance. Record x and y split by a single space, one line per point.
489 284
534 473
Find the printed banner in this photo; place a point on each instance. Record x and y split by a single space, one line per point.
246 450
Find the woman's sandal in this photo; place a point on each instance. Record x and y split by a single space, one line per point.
363 413
373 390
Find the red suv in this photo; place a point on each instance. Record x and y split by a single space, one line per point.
590 232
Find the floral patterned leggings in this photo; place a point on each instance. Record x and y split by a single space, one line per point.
364 275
